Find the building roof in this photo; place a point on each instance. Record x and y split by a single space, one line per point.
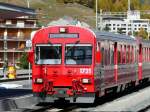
13 11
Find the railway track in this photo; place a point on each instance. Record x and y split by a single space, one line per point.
17 104
66 107
52 108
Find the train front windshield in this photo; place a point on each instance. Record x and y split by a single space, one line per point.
78 54
75 54
48 54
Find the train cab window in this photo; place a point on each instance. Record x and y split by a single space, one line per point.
78 54
48 54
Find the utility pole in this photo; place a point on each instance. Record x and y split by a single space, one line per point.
96 5
101 19
28 3
129 5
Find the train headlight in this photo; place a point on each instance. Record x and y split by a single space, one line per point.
86 81
62 30
38 80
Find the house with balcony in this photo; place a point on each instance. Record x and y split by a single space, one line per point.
16 25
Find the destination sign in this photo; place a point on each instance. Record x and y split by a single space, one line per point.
73 35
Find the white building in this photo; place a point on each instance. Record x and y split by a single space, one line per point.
128 25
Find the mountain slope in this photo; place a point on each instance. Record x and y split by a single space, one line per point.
48 10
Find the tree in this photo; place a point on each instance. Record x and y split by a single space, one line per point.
23 61
120 30
135 5
106 28
143 33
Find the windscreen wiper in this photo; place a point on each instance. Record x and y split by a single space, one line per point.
73 46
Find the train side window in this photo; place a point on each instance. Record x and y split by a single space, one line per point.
102 51
112 53
124 54
149 54
132 55
127 54
109 54
105 55
119 54
146 54
137 54
143 53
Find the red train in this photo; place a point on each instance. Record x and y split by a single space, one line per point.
78 65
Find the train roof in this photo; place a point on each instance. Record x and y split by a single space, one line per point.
113 37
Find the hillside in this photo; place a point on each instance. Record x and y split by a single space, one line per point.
49 10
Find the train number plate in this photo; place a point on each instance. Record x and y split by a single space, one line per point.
85 70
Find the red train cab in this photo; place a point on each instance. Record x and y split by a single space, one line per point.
63 63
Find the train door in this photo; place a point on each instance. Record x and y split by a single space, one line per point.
100 49
140 62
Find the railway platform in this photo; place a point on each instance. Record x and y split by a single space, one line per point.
21 74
